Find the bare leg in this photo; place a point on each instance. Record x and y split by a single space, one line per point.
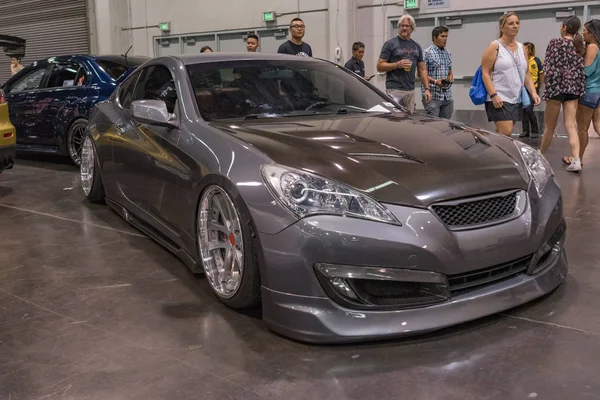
570 115
550 121
597 121
584 118
504 127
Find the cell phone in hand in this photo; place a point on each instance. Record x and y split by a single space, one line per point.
446 83
370 77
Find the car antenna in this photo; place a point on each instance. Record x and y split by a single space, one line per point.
125 55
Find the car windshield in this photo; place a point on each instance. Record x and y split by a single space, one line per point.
277 88
116 68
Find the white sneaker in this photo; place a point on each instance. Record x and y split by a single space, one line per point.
575 166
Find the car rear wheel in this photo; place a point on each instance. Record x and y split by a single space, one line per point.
75 138
91 181
227 249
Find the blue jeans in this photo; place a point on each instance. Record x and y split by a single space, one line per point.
590 100
440 108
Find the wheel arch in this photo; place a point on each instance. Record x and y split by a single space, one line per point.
245 214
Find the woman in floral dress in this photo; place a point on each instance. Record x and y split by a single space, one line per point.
565 84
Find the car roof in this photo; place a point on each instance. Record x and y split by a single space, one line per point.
188 59
107 57
120 58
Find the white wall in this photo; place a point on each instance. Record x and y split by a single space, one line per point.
191 16
329 23
373 26
476 5
110 16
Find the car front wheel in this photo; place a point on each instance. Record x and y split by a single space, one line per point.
227 249
91 181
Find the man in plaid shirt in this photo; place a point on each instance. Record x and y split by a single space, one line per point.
438 62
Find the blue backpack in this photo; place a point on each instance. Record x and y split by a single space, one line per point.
478 92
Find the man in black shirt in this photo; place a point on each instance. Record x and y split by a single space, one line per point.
252 43
401 57
295 46
356 64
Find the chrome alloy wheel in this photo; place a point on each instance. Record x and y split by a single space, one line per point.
86 171
221 242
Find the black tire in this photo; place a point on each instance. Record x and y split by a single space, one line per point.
96 195
73 146
248 292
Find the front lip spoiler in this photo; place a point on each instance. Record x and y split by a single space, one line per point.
320 320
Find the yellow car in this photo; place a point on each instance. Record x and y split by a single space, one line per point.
8 137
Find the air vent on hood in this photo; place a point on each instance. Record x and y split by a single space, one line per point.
392 154
383 157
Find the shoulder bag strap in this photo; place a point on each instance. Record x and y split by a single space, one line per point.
515 61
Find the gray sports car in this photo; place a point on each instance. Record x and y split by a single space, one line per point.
293 183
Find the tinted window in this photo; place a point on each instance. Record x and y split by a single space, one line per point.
279 88
67 75
29 81
126 90
156 83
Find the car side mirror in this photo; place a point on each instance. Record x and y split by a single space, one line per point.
153 112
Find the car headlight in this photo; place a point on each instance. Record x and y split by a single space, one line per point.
538 167
307 194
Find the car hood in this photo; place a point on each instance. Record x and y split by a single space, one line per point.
396 158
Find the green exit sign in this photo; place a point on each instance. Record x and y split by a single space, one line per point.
411 4
269 16
165 26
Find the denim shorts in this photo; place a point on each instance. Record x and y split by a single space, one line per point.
591 100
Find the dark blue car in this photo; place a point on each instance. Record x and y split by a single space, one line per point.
50 100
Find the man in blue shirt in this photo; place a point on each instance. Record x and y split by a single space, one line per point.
438 62
401 57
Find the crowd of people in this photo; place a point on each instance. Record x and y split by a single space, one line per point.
516 80
568 79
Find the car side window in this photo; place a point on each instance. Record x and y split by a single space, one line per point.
30 81
66 74
125 94
157 83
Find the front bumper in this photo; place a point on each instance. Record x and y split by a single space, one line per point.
298 304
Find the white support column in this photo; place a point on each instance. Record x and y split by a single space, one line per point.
341 29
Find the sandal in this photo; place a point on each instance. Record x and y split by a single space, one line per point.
568 160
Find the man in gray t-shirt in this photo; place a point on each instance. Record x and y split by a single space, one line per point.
400 57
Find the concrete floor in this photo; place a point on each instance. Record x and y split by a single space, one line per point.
91 309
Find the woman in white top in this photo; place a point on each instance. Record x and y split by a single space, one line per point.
504 71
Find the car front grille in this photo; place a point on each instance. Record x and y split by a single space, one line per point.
477 212
468 281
